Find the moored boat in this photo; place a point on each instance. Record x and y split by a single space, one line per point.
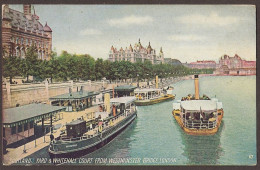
149 96
198 115
82 137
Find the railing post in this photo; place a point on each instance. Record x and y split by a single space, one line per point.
24 149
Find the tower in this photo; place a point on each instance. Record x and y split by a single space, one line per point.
27 9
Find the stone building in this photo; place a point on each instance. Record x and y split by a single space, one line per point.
136 53
235 66
20 30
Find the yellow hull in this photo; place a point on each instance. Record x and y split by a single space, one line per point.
199 132
154 101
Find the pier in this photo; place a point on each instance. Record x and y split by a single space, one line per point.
13 155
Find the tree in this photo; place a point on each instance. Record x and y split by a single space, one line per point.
30 65
11 67
99 69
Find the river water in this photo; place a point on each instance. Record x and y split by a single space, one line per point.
155 138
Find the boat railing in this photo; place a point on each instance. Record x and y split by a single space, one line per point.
65 138
199 124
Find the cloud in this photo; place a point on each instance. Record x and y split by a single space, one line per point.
90 31
130 20
208 20
189 37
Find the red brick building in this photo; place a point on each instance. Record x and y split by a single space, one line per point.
235 66
20 30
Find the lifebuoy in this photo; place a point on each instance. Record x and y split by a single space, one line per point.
100 128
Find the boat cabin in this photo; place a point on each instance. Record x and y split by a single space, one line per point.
146 94
76 128
124 90
125 105
199 114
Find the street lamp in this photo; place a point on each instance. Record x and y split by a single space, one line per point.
137 80
147 79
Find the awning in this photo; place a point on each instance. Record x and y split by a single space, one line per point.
197 105
27 113
125 88
75 95
146 90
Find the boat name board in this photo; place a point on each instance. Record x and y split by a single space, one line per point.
70 146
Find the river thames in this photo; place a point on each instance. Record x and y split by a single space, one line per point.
155 138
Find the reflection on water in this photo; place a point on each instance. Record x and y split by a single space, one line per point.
121 143
202 150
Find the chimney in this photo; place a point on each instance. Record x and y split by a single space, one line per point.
27 9
107 102
196 81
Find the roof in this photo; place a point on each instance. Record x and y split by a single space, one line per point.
74 95
30 111
125 88
19 19
146 90
46 28
199 105
124 100
76 122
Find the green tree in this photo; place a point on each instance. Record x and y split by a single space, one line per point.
30 65
99 69
11 67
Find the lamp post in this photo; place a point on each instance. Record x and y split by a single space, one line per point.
147 79
137 80
24 148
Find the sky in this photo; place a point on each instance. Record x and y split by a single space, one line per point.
185 32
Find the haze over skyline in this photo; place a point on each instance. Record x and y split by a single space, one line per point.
185 32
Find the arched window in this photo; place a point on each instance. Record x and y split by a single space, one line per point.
26 41
21 40
17 40
17 52
22 53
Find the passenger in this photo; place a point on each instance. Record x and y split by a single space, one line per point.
51 137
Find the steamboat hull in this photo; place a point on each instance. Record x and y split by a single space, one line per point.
87 146
198 132
154 101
